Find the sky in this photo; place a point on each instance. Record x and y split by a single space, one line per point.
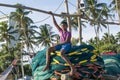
54 6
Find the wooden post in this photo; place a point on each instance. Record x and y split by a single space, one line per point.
79 23
68 17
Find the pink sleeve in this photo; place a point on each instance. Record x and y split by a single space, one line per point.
60 30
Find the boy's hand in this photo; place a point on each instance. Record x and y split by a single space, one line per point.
50 12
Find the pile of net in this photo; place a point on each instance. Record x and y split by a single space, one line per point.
85 59
112 64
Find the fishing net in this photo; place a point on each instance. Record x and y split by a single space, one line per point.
85 58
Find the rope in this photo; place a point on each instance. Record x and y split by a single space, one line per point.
49 16
72 4
4 13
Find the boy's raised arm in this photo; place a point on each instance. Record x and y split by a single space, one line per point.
54 21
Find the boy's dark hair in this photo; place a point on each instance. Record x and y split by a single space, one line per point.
64 22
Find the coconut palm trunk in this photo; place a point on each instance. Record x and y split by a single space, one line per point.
97 36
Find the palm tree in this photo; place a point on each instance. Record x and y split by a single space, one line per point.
113 40
3 62
108 43
109 39
92 42
106 38
118 42
116 7
118 37
31 35
96 12
46 36
6 33
7 52
4 54
23 23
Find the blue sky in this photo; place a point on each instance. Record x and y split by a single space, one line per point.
52 5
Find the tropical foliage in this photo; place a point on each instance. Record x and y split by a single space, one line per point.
97 12
30 35
107 43
23 24
115 6
46 36
23 33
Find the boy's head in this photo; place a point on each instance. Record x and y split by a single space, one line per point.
64 25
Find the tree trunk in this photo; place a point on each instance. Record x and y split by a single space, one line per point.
97 37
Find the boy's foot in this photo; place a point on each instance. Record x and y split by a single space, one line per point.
46 68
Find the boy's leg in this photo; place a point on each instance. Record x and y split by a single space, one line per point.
51 49
67 61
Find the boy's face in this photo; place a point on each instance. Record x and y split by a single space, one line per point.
64 26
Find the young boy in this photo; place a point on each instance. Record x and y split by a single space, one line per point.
64 45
